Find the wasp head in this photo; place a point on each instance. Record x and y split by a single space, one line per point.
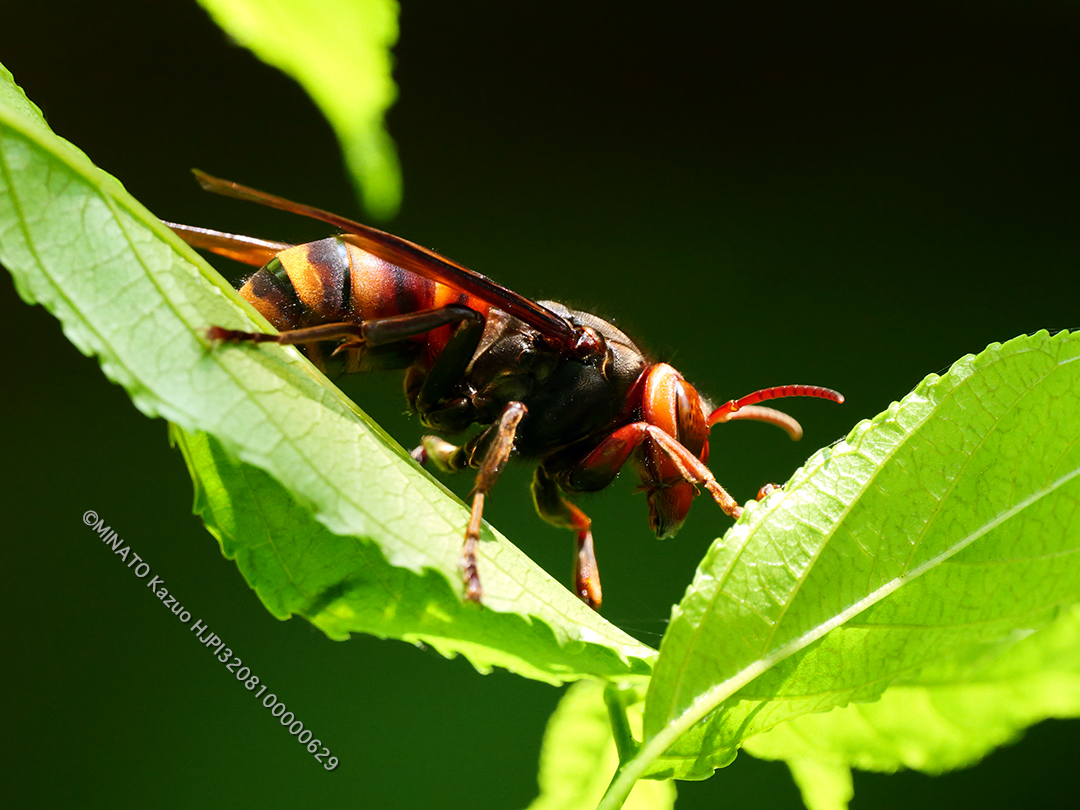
672 404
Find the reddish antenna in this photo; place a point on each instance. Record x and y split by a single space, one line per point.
747 408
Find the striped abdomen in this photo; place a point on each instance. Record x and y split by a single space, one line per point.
331 281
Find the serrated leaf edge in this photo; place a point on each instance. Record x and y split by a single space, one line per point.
655 747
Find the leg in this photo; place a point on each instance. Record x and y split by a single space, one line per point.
599 467
311 334
372 332
437 398
767 490
495 457
557 510
449 458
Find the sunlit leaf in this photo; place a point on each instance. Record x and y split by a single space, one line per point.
345 584
950 520
948 716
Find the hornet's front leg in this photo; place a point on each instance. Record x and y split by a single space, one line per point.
594 470
599 467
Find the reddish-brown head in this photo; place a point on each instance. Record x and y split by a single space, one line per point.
672 404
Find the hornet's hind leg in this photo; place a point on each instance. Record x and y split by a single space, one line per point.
372 332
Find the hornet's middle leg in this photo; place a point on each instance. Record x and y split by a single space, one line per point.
497 443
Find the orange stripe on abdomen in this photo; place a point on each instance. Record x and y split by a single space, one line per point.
274 301
317 273
379 289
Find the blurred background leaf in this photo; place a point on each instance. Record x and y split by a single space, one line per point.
579 757
339 52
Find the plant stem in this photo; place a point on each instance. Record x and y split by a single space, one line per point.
625 744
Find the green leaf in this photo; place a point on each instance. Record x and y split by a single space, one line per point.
345 585
128 291
949 715
13 97
825 785
579 756
339 52
947 521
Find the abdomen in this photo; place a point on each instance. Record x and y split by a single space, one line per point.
332 281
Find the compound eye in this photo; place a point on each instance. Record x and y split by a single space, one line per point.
693 430
660 399
674 406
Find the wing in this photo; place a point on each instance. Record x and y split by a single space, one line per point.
412 257
246 249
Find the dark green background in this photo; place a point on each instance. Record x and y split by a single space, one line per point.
837 195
